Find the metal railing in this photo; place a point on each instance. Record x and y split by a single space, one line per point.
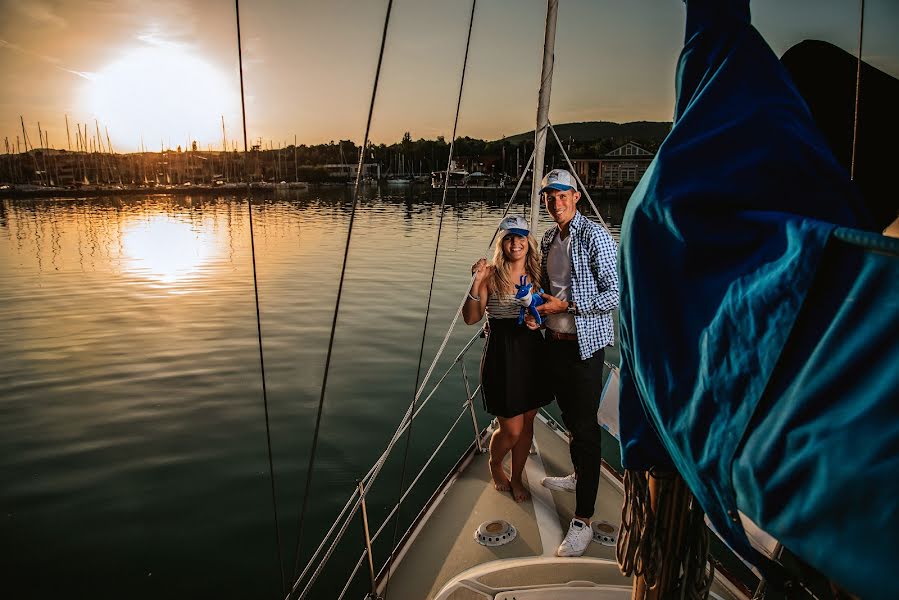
316 563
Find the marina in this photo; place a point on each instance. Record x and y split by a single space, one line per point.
115 430
209 352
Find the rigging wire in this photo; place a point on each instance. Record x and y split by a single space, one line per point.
578 179
343 528
346 251
408 491
424 332
858 84
373 472
405 420
268 433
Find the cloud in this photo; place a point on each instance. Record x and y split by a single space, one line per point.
83 74
40 12
158 40
52 60
20 50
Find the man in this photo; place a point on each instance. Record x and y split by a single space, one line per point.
581 280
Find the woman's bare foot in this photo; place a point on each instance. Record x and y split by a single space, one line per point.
500 479
520 493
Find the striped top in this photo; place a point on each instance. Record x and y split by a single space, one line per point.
502 306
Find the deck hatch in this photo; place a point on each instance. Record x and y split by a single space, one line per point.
495 533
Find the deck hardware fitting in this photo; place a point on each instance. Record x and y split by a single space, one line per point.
495 533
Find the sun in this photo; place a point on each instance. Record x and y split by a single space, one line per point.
162 93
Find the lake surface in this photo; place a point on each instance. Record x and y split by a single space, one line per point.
133 448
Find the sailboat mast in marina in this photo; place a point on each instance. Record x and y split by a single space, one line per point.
543 97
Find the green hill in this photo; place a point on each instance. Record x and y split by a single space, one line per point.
592 131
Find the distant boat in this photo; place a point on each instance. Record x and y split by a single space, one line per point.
461 179
483 181
457 178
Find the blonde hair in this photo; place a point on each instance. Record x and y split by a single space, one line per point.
501 280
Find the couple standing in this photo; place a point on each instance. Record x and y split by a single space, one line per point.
522 369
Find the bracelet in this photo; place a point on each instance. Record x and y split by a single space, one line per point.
475 298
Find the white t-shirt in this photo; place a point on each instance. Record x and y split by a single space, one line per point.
558 267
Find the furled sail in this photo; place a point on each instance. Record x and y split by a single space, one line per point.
759 322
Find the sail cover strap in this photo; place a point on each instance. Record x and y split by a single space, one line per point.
750 334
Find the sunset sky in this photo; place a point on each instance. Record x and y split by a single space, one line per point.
166 71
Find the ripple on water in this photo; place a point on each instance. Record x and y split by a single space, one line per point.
132 431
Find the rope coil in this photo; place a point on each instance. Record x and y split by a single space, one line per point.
663 542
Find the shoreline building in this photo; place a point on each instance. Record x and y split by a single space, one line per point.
622 167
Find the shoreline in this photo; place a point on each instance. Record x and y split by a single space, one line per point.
89 192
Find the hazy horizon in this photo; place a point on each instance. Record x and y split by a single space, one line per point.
167 73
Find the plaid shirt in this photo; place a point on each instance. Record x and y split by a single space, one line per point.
594 281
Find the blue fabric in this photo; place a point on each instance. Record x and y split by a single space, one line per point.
739 364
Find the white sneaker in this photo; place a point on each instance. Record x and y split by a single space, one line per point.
576 540
563 484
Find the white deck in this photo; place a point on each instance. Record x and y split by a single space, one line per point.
443 546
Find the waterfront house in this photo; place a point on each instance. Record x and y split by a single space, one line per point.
622 167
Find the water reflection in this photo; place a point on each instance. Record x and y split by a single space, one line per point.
132 419
166 248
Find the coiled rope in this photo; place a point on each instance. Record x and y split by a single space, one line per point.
268 433
663 541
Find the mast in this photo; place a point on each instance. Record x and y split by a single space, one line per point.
44 146
68 136
37 168
546 80
112 159
101 161
24 135
224 151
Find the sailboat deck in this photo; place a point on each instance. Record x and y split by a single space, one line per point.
443 544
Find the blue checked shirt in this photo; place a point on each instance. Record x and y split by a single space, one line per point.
594 281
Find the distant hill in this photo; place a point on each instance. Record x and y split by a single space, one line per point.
592 131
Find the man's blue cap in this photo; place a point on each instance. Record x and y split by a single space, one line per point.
557 179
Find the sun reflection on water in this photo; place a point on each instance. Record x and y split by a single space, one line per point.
167 249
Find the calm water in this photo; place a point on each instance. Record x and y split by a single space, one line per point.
132 435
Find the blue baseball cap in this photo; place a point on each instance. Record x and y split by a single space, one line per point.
514 224
557 179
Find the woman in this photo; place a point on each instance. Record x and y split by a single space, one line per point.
510 382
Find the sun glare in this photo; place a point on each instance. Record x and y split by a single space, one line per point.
163 94
166 249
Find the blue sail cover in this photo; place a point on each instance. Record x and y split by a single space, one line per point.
759 341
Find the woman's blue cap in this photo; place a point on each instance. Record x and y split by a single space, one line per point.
514 224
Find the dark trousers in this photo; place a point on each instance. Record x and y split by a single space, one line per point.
577 385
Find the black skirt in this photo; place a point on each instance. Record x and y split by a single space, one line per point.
513 378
